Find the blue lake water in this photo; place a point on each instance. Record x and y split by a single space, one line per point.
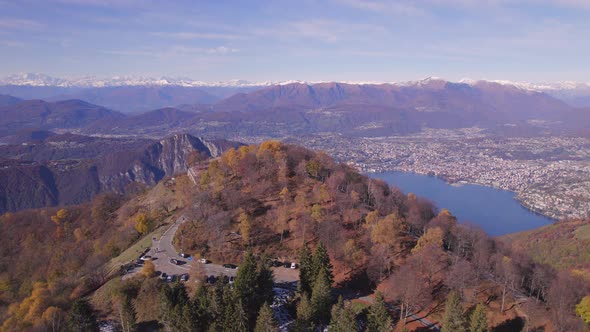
496 211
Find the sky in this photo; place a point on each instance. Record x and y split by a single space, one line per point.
331 40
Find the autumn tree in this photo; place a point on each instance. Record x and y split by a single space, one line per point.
583 309
142 223
378 318
453 319
433 236
147 302
479 321
54 319
245 222
148 269
563 295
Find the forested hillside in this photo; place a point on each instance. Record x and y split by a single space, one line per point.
275 201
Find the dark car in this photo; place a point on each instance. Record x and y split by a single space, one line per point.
176 261
211 279
230 266
287 265
184 277
276 264
163 276
183 255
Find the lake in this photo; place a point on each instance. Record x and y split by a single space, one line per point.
496 211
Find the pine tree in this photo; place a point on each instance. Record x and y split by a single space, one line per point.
304 315
321 262
378 319
266 321
265 284
235 318
479 322
343 318
305 270
321 298
453 320
245 286
81 317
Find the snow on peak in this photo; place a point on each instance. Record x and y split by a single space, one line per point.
36 79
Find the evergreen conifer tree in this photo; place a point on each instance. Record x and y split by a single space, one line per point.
305 270
266 321
343 318
321 298
479 322
246 287
81 317
378 319
321 262
304 315
453 319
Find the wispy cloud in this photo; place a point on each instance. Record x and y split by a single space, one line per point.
186 35
172 51
324 30
12 43
19 24
408 8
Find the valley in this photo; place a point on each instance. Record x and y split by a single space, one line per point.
550 175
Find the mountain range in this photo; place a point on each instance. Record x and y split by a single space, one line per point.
299 108
135 94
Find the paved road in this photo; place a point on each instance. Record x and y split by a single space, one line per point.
163 250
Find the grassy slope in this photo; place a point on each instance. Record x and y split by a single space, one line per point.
563 245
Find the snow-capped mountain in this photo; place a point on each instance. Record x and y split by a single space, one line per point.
36 79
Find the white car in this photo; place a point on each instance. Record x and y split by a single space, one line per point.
203 261
146 258
294 265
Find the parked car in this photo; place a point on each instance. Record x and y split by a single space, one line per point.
231 279
276 263
146 258
184 277
230 266
163 276
139 262
211 279
287 265
183 255
203 261
176 261
294 265
170 278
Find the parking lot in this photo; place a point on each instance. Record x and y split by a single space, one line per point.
162 252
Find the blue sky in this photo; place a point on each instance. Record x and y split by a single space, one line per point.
344 40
